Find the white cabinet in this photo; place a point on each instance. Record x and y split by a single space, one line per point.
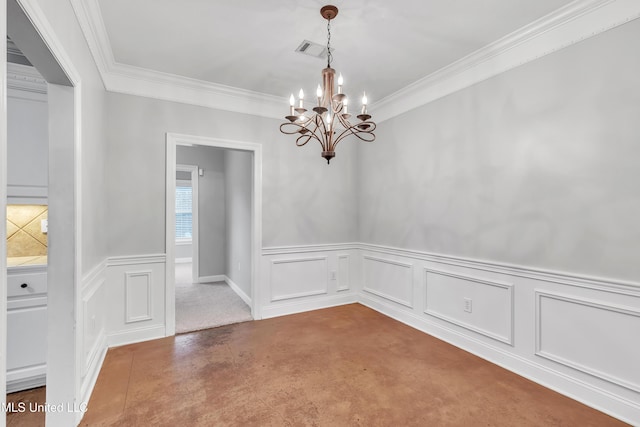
26 327
27 135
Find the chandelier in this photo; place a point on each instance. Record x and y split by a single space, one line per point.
328 122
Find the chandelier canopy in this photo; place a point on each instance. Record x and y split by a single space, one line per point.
328 122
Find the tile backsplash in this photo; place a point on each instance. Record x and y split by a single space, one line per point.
24 235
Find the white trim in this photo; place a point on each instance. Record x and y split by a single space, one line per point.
136 259
131 336
563 361
172 141
93 370
195 217
299 306
563 278
210 279
568 25
391 298
41 23
238 291
343 285
564 27
508 287
553 276
155 84
23 78
281 250
127 302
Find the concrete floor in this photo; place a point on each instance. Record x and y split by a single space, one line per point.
340 366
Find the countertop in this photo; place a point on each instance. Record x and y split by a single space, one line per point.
22 261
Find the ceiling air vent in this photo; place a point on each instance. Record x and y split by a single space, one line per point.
312 49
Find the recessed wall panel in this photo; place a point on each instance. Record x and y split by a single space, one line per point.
388 279
482 306
138 296
298 277
590 336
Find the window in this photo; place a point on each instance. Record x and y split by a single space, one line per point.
184 216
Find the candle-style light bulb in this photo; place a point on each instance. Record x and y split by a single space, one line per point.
292 103
340 82
329 119
345 103
301 97
319 95
364 103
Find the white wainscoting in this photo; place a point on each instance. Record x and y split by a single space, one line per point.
135 296
585 335
93 333
389 279
576 335
488 309
303 278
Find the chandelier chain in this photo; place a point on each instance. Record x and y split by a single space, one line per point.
329 55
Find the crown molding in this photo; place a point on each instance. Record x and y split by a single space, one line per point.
139 81
564 27
577 21
24 78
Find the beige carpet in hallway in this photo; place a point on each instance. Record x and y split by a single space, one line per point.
206 305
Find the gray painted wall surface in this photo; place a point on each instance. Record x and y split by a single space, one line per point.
211 206
539 166
304 200
238 181
94 223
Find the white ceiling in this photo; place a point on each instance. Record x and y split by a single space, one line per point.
379 46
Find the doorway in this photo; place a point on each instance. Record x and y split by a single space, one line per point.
244 269
28 28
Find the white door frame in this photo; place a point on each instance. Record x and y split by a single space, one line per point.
173 140
195 242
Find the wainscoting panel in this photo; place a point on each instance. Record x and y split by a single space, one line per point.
344 278
302 278
136 297
482 306
298 277
137 289
574 334
389 279
599 339
93 327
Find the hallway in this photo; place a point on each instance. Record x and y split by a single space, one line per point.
205 305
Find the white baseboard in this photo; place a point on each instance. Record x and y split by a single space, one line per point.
238 291
89 380
136 335
292 307
26 383
183 260
209 279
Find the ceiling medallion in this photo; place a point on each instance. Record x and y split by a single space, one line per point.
328 123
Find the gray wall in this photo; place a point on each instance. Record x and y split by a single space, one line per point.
304 200
211 206
539 166
93 224
238 182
